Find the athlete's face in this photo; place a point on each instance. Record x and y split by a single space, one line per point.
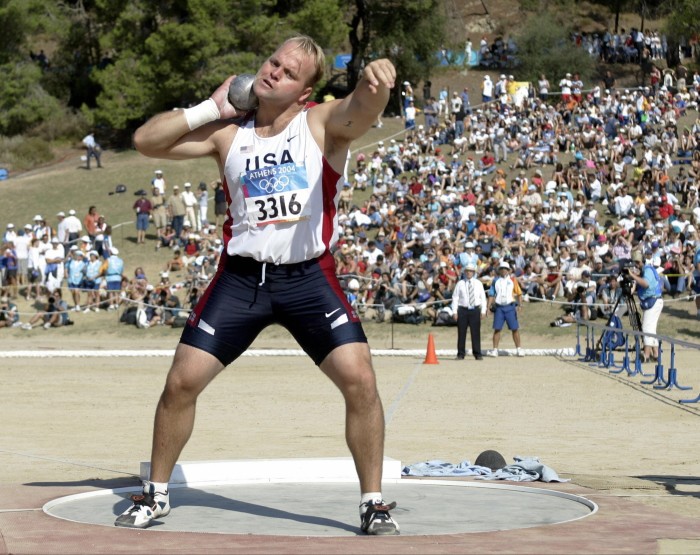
285 75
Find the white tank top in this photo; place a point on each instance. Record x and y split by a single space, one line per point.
282 195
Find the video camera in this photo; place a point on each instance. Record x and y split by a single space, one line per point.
625 279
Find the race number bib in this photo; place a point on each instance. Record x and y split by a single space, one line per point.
276 194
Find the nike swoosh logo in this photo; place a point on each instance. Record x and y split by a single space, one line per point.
329 314
290 138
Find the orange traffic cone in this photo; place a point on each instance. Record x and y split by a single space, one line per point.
430 356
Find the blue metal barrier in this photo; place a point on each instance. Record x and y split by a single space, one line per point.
606 357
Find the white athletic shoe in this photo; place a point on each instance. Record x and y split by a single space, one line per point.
86 310
492 353
376 520
26 326
146 507
520 352
47 325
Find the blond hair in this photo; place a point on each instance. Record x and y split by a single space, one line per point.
311 48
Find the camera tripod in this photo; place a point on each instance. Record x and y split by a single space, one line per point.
633 315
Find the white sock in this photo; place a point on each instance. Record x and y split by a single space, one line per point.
367 497
158 487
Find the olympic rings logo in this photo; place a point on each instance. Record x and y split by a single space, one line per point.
274 184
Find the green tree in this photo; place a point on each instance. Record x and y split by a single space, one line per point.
409 32
684 19
545 46
323 20
23 101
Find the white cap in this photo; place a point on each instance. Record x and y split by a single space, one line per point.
61 214
54 239
470 268
114 250
71 212
27 226
85 239
164 274
38 218
158 171
469 245
74 248
188 184
10 226
504 265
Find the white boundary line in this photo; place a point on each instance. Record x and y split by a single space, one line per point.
260 353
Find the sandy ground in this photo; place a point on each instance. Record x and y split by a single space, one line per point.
71 420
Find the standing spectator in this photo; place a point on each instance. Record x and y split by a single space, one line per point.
543 87
190 207
90 222
22 243
505 301
577 88
159 181
53 271
487 90
469 308
410 116
92 283
565 87
41 230
112 269
143 208
61 231
466 104
431 110
220 205
158 211
74 227
176 207
93 149
10 264
442 101
75 270
203 203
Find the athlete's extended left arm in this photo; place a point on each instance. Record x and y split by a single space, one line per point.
352 117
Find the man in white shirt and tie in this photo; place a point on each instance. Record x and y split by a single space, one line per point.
469 308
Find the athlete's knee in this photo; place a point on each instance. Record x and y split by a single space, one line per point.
182 386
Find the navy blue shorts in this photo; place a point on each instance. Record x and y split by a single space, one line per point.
306 298
505 313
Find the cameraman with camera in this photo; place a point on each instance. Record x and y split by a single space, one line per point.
649 289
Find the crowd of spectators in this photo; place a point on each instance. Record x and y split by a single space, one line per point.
564 184
72 265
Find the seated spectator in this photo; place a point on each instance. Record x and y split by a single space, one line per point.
167 238
9 317
176 263
54 315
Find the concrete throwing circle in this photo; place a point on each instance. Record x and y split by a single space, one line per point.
425 507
